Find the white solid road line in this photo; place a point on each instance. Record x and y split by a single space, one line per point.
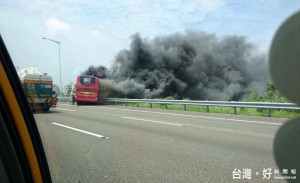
82 131
151 121
193 116
66 109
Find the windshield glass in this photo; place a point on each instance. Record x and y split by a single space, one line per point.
86 80
168 91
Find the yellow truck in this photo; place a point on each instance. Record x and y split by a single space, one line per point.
38 88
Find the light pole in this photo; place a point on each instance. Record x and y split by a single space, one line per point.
59 62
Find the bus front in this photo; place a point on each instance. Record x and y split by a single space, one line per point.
86 89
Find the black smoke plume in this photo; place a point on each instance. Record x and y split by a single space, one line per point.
195 65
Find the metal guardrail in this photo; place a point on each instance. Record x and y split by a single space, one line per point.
259 105
64 99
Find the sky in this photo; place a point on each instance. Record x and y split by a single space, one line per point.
93 32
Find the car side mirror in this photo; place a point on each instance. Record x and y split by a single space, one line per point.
54 94
284 69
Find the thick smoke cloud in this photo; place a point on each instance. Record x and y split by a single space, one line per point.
100 71
194 64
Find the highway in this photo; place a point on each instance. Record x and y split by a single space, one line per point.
108 143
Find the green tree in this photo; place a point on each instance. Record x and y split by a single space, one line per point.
271 95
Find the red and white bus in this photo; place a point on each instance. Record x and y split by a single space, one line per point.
86 89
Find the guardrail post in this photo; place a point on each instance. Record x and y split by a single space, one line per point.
166 106
207 109
137 104
184 107
234 110
150 105
269 112
126 103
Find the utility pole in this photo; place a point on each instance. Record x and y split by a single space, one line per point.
59 62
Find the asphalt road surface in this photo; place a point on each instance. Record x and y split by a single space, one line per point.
129 144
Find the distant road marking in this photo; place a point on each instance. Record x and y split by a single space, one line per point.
193 116
66 109
151 121
82 131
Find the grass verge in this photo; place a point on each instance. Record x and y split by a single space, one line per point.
222 110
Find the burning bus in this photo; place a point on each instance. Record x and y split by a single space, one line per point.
86 89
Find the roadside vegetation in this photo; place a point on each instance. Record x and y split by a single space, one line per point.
271 95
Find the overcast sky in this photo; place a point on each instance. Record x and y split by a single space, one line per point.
92 32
